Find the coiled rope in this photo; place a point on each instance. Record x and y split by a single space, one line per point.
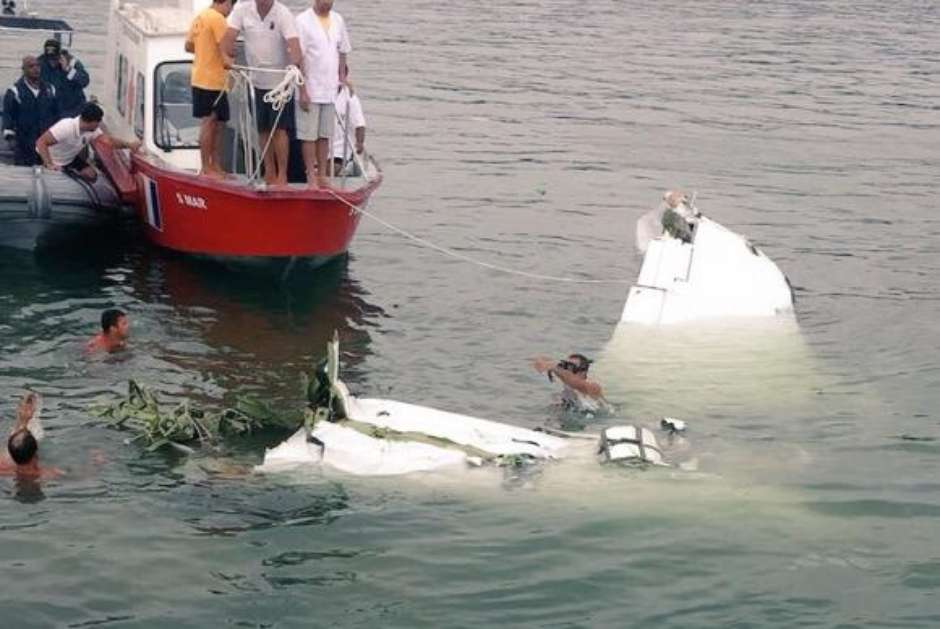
277 97
466 258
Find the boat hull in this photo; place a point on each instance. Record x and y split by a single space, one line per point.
228 220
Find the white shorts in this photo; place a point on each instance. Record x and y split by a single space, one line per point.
316 123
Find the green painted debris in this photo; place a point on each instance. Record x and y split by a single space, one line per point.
186 424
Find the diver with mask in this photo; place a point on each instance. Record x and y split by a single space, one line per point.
580 394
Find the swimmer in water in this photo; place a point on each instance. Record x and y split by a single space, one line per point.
115 329
22 456
580 394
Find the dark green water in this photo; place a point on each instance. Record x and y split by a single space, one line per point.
532 135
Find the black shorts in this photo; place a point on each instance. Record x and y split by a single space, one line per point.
79 163
208 102
265 114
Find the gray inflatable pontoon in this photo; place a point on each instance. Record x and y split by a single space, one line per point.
41 208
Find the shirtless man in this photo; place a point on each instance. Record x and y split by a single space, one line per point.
115 328
579 394
22 455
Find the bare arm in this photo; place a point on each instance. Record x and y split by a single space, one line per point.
342 66
548 366
124 144
24 412
293 52
360 139
42 147
228 41
578 384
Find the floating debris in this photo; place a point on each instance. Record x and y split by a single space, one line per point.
185 424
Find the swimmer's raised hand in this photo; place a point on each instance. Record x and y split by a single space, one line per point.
26 409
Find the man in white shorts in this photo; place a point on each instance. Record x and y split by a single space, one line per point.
324 44
65 145
270 35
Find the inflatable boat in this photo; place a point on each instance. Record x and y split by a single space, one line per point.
41 208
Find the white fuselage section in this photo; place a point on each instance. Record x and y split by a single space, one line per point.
717 275
425 439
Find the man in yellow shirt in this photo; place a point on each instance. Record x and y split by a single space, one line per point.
210 64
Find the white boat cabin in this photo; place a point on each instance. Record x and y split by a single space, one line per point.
149 96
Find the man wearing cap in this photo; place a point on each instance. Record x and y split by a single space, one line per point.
29 108
66 74
270 35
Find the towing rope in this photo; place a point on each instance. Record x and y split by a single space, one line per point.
459 256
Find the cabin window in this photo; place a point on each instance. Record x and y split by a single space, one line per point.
131 97
173 123
121 80
139 107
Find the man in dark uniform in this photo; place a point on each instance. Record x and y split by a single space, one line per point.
29 108
67 75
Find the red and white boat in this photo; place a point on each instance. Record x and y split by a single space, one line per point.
234 218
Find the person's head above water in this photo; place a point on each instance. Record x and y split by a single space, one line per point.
115 328
578 364
23 447
114 322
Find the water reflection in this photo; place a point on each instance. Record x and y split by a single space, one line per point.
27 490
256 319
28 275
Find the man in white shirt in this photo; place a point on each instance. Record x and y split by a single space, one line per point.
324 44
350 131
64 146
270 35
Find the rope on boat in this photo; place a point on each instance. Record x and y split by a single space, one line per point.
283 92
277 97
466 258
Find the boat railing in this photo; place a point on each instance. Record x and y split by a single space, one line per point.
247 144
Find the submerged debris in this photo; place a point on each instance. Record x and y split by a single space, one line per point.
185 424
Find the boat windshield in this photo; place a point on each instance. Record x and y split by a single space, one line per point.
173 122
